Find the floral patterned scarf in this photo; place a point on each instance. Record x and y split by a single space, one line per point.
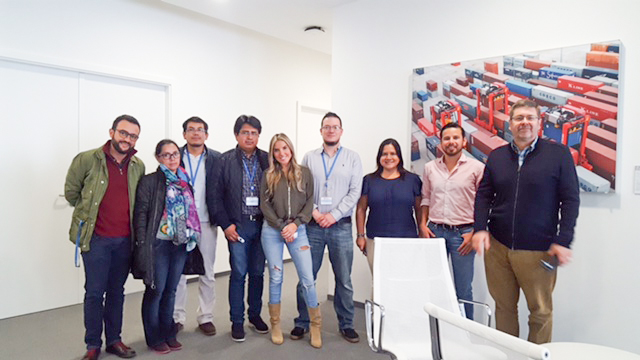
180 220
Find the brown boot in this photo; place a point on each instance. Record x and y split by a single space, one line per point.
316 327
276 331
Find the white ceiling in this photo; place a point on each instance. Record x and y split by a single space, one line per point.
283 19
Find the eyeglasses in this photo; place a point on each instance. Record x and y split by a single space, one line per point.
172 156
529 118
249 132
196 130
331 127
125 135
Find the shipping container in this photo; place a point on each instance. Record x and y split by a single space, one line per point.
422 95
432 144
432 94
591 71
473 73
469 128
553 74
492 77
518 61
598 110
615 84
479 155
599 47
535 64
608 90
499 119
591 182
468 106
610 125
432 85
486 143
419 71
456 89
474 87
522 73
603 160
519 87
548 83
446 93
462 81
602 136
491 66
614 48
447 84
603 59
417 112
415 149
507 61
578 69
607 99
553 96
427 127
603 79
577 85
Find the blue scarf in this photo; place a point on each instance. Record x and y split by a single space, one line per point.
182 222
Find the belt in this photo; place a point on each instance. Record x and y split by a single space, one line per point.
257 217
344 220
452 227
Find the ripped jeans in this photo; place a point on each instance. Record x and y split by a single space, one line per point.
273 246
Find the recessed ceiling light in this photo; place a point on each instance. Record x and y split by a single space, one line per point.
314 28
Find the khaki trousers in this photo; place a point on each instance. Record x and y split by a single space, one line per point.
508 271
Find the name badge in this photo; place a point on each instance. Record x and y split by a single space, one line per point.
252 201
326 200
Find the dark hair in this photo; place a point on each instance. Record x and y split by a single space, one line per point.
128 118
247 119
524 103
328 115
454 125
164 142
395 144
195 119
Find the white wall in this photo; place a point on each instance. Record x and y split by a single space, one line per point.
377 43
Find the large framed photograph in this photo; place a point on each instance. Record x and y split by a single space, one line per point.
576 88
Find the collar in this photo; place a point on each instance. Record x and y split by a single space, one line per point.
106 148
321 151
531 147
463 159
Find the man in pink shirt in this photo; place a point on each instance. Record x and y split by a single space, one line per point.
449 186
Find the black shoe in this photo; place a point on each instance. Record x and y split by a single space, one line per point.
178 327
258 325
237 332
298 333
350 335
121 350
207 328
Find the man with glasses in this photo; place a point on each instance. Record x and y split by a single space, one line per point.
525 213
238 214
337 175
101 185
200 163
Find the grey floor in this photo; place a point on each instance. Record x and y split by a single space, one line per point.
58 334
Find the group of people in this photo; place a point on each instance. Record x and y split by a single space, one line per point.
163 226
520 208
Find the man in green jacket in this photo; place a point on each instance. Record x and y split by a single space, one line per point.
101 185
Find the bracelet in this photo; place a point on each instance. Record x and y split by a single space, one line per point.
362 235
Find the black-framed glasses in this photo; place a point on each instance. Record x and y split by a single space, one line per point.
172 156
126 134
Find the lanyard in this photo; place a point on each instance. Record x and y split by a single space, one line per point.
328 174
251 175
193 177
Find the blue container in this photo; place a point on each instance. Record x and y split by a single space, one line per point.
522 73
415 156
474 73
478 154
432 144
614 48
519 87
553 74
509 70
422 95
419 71
467 106
475 86
591 71
553 131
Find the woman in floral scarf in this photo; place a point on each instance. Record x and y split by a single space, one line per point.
167 228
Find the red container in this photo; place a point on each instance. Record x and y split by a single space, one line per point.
432 85
578 85
608 90
603 160
470 79
462 81
417 112
414 145
602 136
599 47
499 119
485 143
446 93
603 59
491 66
455 64
550 84
607 99
536 64
457 89
610 125
491 77
426 127
598 110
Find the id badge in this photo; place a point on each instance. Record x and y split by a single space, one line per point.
252 201
326 200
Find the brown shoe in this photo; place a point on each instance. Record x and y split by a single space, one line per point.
178 327
121 350
91 354
207 328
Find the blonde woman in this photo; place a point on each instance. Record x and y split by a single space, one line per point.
286 201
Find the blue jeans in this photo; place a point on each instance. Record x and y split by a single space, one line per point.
106 267
462 265
273 243
246 258
158 302
339 240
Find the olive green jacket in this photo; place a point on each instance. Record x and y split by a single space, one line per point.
85 186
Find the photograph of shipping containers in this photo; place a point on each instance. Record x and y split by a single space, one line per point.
576 88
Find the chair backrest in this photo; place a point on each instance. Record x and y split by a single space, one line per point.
407 273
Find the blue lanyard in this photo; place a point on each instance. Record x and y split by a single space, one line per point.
251 175
193 177
328 174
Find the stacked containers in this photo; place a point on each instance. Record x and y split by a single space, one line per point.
553 74
591 71
535 64
609 60
607 99
603 160
491 77
602 136
598 110
519 87
553 96
417 112
577 85
491 66
577 69
608 90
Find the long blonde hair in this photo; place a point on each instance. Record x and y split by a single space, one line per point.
275 171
